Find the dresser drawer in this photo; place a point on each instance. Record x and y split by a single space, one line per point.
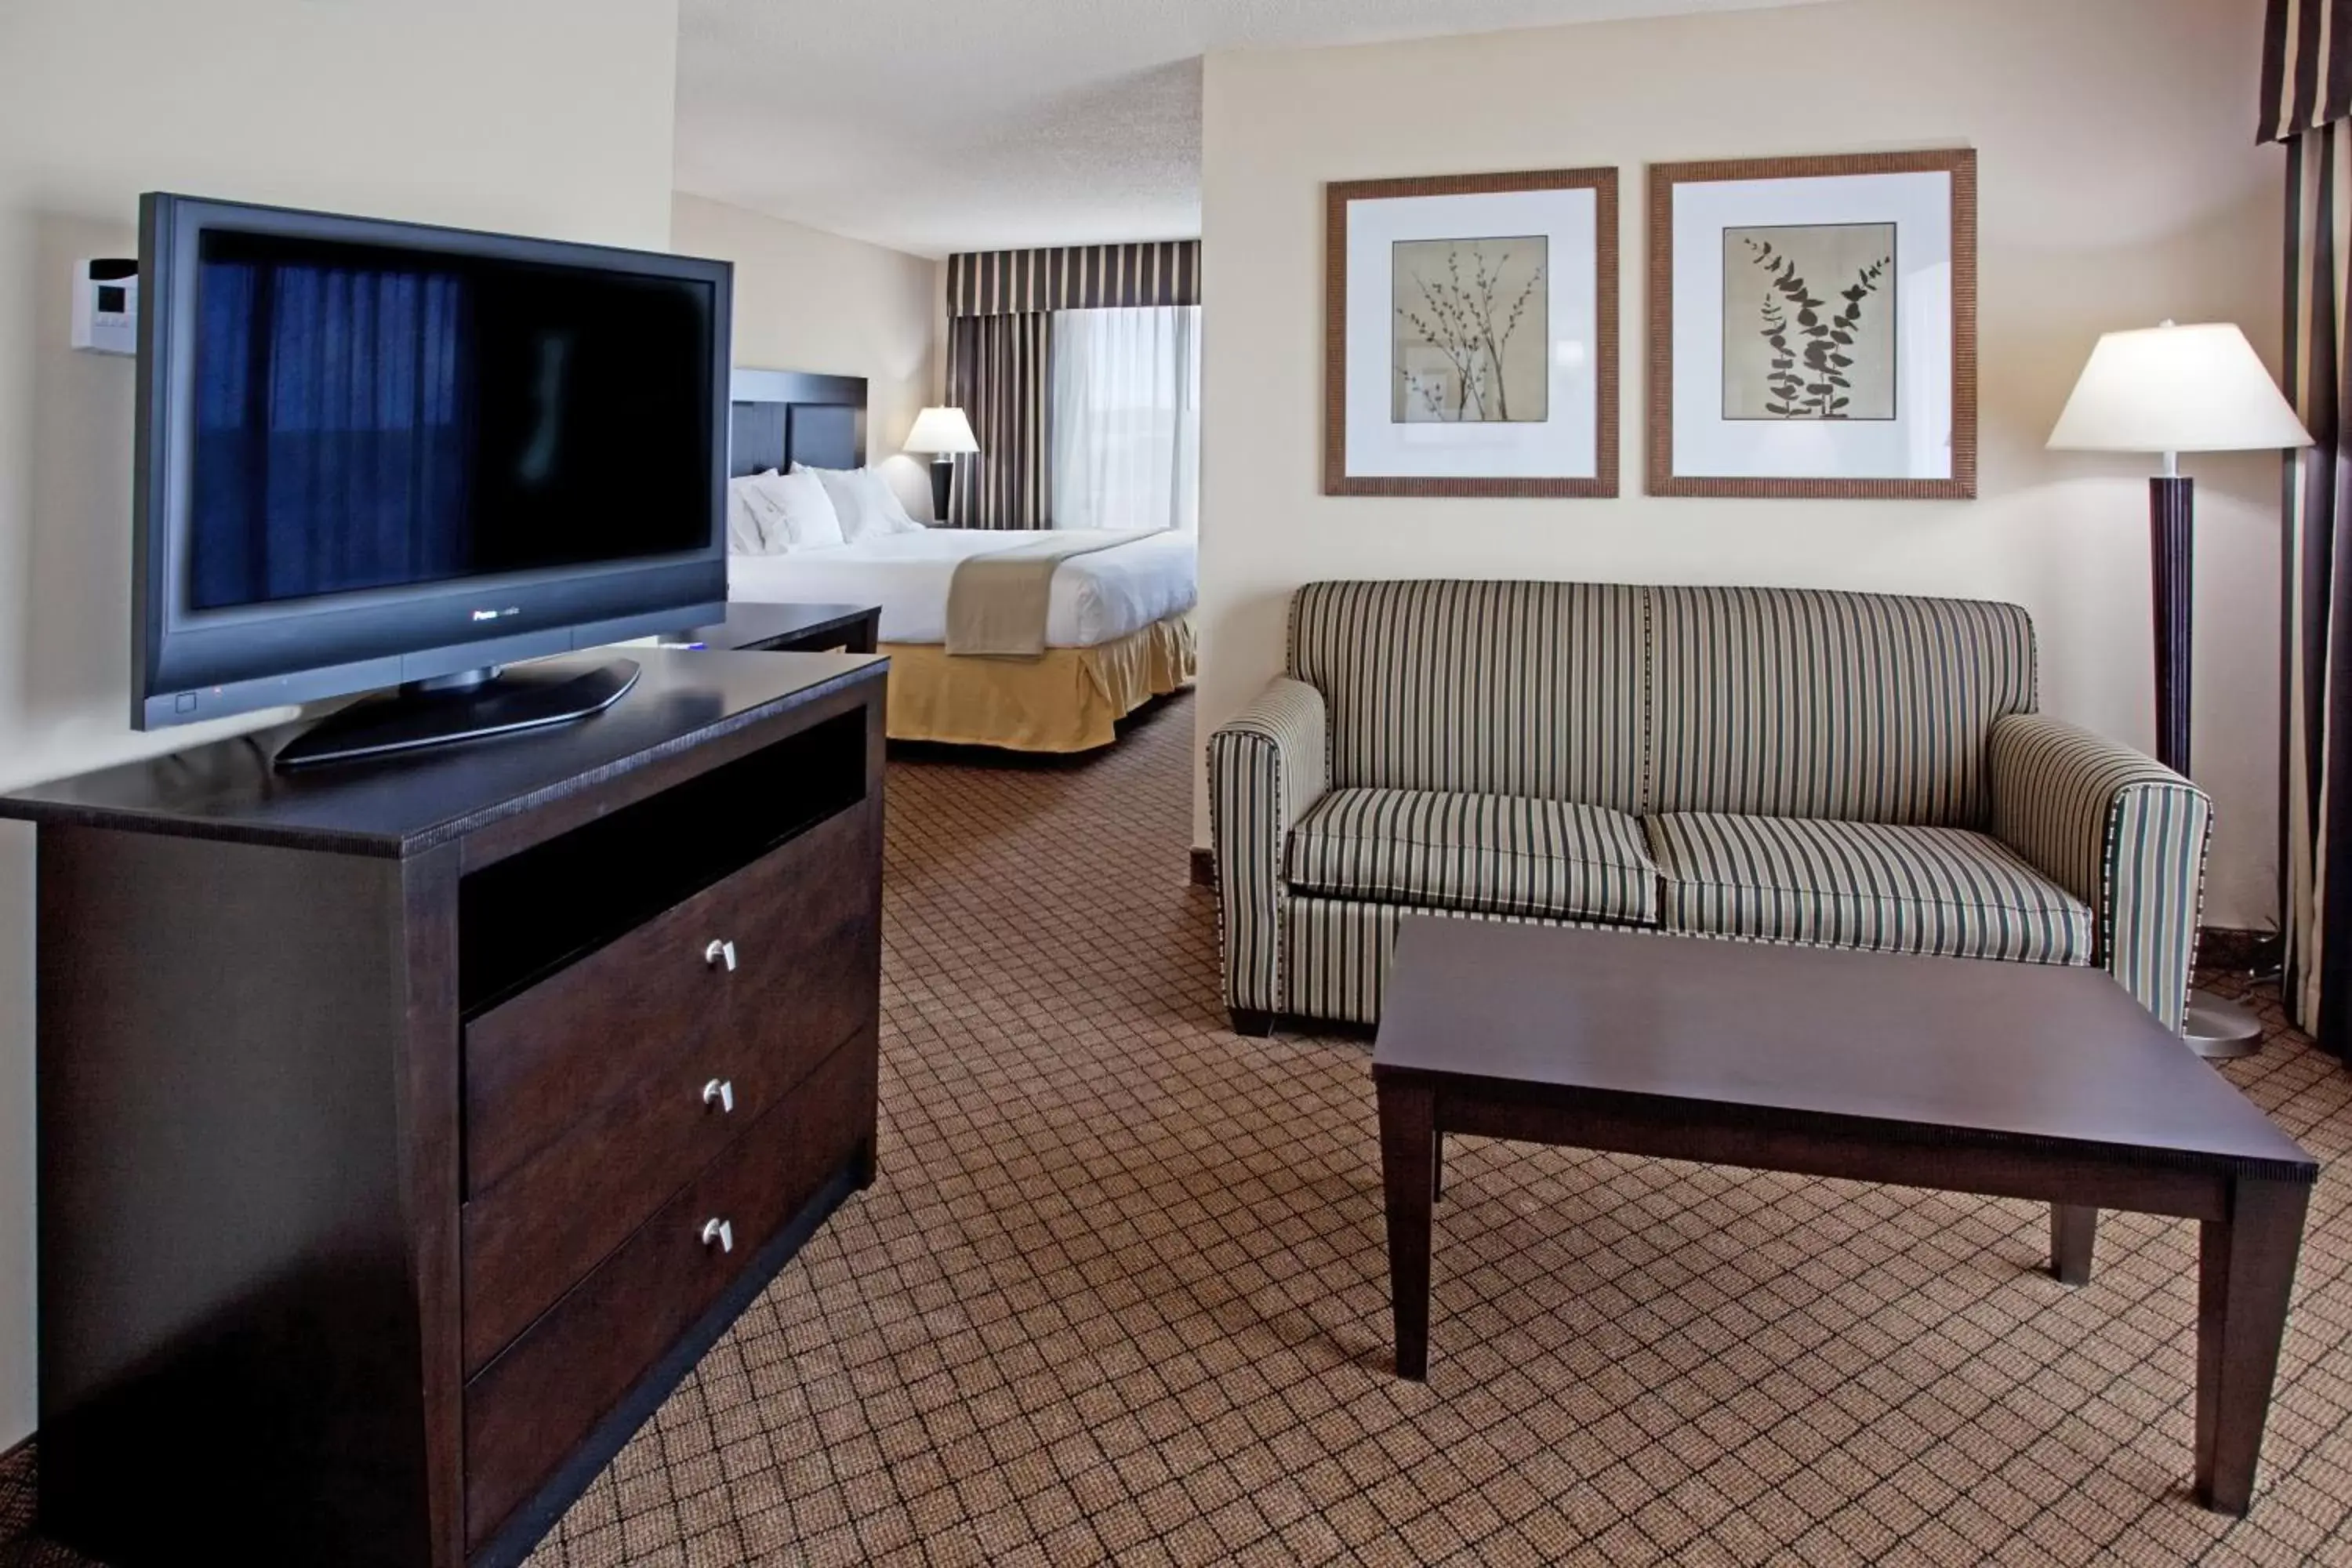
552 1218
661 1005
528 1409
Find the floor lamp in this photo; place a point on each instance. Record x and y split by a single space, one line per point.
942 435
2172 389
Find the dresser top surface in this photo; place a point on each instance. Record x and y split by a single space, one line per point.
228 789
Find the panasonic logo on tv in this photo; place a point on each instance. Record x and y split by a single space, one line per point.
494 615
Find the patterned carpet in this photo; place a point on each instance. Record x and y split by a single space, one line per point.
1120 1294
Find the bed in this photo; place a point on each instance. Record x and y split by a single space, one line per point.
1116 628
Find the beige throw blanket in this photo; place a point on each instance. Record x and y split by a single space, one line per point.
997 601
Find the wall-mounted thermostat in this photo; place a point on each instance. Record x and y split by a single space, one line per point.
106 305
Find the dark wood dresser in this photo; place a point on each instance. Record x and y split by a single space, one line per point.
788 628
409 1128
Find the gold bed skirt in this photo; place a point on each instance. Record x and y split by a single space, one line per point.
1066 699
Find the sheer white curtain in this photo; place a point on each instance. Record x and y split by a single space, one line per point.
1126 417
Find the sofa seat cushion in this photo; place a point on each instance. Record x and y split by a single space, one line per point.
1487 853
1862 884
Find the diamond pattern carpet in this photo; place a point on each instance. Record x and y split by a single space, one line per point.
1121 1293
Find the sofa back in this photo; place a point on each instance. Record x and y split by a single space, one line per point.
1526 689
1855 707
1773 701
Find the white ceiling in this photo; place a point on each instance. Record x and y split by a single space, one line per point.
944 125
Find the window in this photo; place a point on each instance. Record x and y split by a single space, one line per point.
1127 418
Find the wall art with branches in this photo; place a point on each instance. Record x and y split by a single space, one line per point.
1470 334
1470 329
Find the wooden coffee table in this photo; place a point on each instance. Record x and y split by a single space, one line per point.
1971 1076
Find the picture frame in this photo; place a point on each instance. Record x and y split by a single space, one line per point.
1470 335
1811 327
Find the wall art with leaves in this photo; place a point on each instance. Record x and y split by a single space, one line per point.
1812 327
1808 321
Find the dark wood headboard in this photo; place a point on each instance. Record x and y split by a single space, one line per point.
781 417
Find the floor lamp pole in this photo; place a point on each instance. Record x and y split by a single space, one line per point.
2214 1029
2171 505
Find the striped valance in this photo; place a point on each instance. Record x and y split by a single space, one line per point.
2306 67
1074 278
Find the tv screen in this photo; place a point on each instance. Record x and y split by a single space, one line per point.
370 416
374 453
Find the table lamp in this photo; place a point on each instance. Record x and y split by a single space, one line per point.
2173 389
942 434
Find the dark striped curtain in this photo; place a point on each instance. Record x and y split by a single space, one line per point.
998 374
1075 278
1000 350
2306 96
2306 68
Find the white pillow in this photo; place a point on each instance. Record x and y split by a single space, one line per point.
799 513
744 534
868 508
887 502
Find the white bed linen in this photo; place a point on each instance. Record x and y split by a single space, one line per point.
1096 598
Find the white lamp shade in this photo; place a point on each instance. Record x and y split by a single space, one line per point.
2177 389
941 430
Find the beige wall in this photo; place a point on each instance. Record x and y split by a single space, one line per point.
806 299
550 117
2119 184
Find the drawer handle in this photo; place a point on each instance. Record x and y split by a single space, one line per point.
720 952
720 1092
720 1231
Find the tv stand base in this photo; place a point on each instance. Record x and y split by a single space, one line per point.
436 714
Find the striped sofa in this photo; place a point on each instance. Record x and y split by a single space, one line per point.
1859 770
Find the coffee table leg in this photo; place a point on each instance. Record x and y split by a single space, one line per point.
1408 1161
2073 1231
2245 1272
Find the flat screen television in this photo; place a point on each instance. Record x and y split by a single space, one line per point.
382 455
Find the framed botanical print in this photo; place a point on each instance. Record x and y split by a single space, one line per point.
1471 335
1812 326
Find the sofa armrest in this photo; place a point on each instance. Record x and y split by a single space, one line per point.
2118 830
1267 766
